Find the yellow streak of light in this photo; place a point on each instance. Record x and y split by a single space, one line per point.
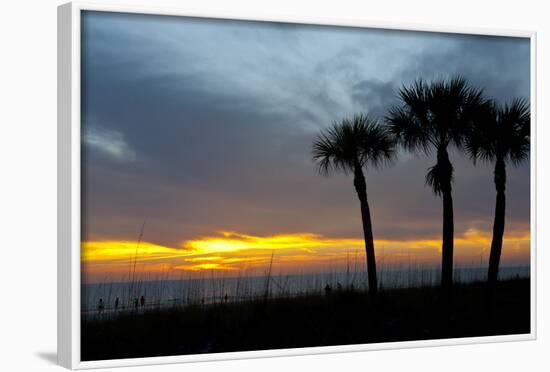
229 250
234 242
205 266
122 249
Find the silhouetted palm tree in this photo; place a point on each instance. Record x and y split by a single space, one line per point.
432 117
349 146
503 136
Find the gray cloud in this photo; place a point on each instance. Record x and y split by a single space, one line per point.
220 117
108 142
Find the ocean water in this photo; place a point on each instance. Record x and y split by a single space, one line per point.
207 290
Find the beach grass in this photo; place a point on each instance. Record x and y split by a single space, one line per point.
340 318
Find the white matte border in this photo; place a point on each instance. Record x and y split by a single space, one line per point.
69 186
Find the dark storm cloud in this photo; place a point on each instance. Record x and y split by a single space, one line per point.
377 94
207 125
499 65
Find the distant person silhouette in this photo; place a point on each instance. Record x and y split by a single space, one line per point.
328 289
136 302
116 303
100 305
142 301
225 298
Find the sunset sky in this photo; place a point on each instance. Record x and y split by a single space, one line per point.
203 129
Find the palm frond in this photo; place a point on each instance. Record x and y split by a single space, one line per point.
501 132
408 130
434 115
358 141
438 176
481 138
515 122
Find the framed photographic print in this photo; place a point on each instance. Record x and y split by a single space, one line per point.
235 187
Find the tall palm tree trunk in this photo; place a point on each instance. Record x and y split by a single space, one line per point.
448 243
361 189
447 248
498 224
369 247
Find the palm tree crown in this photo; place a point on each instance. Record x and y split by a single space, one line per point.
503 133
432 117
359 141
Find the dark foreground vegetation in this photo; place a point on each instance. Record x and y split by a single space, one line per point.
340 318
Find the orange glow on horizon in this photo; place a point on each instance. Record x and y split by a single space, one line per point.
229 251
234 242
123 250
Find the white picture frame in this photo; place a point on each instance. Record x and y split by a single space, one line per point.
69 141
